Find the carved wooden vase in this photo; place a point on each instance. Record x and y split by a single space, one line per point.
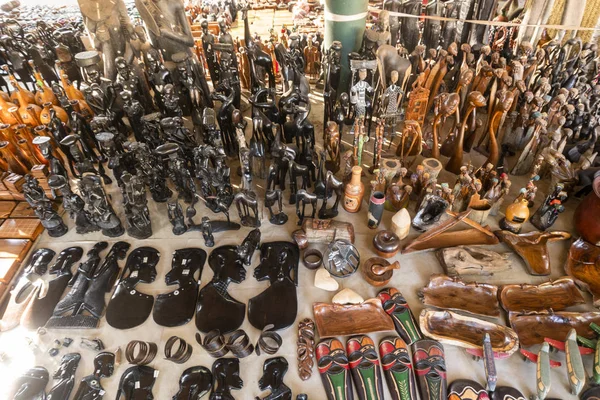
13 160
6 116
516 215
45 117
587 215
354 191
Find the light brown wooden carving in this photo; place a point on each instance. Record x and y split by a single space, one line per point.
583 264
554 295
440 236
533 327
322 231
532 248
458 330
454 294
471 260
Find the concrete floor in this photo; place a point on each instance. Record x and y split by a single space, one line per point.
413 275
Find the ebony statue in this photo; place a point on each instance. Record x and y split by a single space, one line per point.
278 304
42 206
216 309
65 374
226 376
99 207
274 371
90 386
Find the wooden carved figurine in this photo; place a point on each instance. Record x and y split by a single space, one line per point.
475 100
364 365
412 141
332 145
333 365
446 104
392 98
552 206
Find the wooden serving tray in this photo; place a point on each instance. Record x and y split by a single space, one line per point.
467 332
454 294
351 319
534 327
554 295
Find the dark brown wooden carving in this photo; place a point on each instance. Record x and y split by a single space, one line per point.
532 248
533 327
583 264
448 327
351 319
554 295
440 236
454 294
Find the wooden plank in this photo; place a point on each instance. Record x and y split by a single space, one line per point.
6 207
23 210
21 228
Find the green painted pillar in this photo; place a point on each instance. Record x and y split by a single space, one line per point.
345 21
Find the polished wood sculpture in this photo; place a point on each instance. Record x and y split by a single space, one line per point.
471 260
583 265
554 295
503 104
322 231
533 327
454 294
587 214
467 332
351 319
446 104
440 236
532 248
475 100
